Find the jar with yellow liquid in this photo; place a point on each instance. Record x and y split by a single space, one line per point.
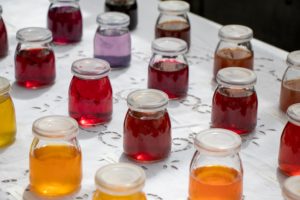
55 157
120 181
7 115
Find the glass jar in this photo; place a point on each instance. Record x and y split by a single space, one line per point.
168 68
90 92
147 126
3 37
112 39
128 7
34 58
234 48
290 84
173 21
8 127
55 157
120 181
234 104
65 21
216 170
291 188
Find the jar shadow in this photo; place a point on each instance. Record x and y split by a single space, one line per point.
86 133
280 177
116 72
19 92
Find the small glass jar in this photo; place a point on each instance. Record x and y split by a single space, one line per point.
291 188
34 58
216 170
147 126
120 181
8 127
234 48
90 92
65 21
128 7
168 68
234 104
112 39
3 37
55 157
173 21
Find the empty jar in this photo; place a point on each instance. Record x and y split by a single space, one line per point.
291 188
3 37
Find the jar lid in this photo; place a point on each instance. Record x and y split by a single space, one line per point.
236 76
293 114
293 58
120 179
169 46
90 68
147 100
34 34
291 188
174 7
218 142
4 86
113 19
55 127
236 33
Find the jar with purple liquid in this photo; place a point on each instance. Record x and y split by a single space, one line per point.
112 39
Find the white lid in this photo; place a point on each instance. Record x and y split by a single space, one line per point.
169 46
120 179
236 33
113 19
291 188
236 76
4 86
90 68
293 113
173 7
293 58
218 142
34 34
55 127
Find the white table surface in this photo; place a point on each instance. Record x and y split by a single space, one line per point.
166 180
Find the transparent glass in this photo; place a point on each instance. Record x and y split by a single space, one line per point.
3 37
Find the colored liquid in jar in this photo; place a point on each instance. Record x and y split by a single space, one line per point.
55 170
177 29
169 76
65 24
114 46
234 109
290 93
3 39
103 196
233 57
215 182
35 67
147 137
90 101
289 153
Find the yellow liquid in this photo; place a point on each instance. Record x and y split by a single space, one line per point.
7 121
103 196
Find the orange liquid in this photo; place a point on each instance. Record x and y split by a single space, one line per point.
215 183
290 93
55 170
103 196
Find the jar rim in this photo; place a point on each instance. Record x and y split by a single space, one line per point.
63 1
169 46
113 19
126 2
291 188
4 85
34 34
293 113
293 58
235 33
174 7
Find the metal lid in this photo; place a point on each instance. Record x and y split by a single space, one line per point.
293 114
113 19
293 58
236 76
218 142
34 34
174 7
236 33
4 86
55 127
90 68
169 46
291 188
120 179
147 100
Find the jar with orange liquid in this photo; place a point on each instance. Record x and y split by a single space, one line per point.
291 188
216 170
120 181
55 157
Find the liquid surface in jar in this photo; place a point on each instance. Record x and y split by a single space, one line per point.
35 67
169 76
290 93
215 182
55 170
3 39
103 196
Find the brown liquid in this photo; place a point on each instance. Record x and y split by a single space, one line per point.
233 57
290 93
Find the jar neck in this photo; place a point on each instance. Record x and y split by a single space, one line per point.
62 3
120 2
33 45
147 115
235 91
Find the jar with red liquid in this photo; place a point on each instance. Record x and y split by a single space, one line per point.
290 84
234 48
168 68
34 58
90 92
147 126
3 37
173 21
65 21
216 170
291 188
234 104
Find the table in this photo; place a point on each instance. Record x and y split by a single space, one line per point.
166 180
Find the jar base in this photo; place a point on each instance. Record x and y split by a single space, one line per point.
34 84
145 158
7 142
289 169
43 192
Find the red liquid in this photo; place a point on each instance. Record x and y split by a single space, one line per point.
3 39
34 67
234 109
169 76
289 153
147 136
65 24
90 101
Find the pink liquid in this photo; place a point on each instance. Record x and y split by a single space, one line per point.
3 39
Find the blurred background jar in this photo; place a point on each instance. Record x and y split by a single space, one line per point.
3 37
291 188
